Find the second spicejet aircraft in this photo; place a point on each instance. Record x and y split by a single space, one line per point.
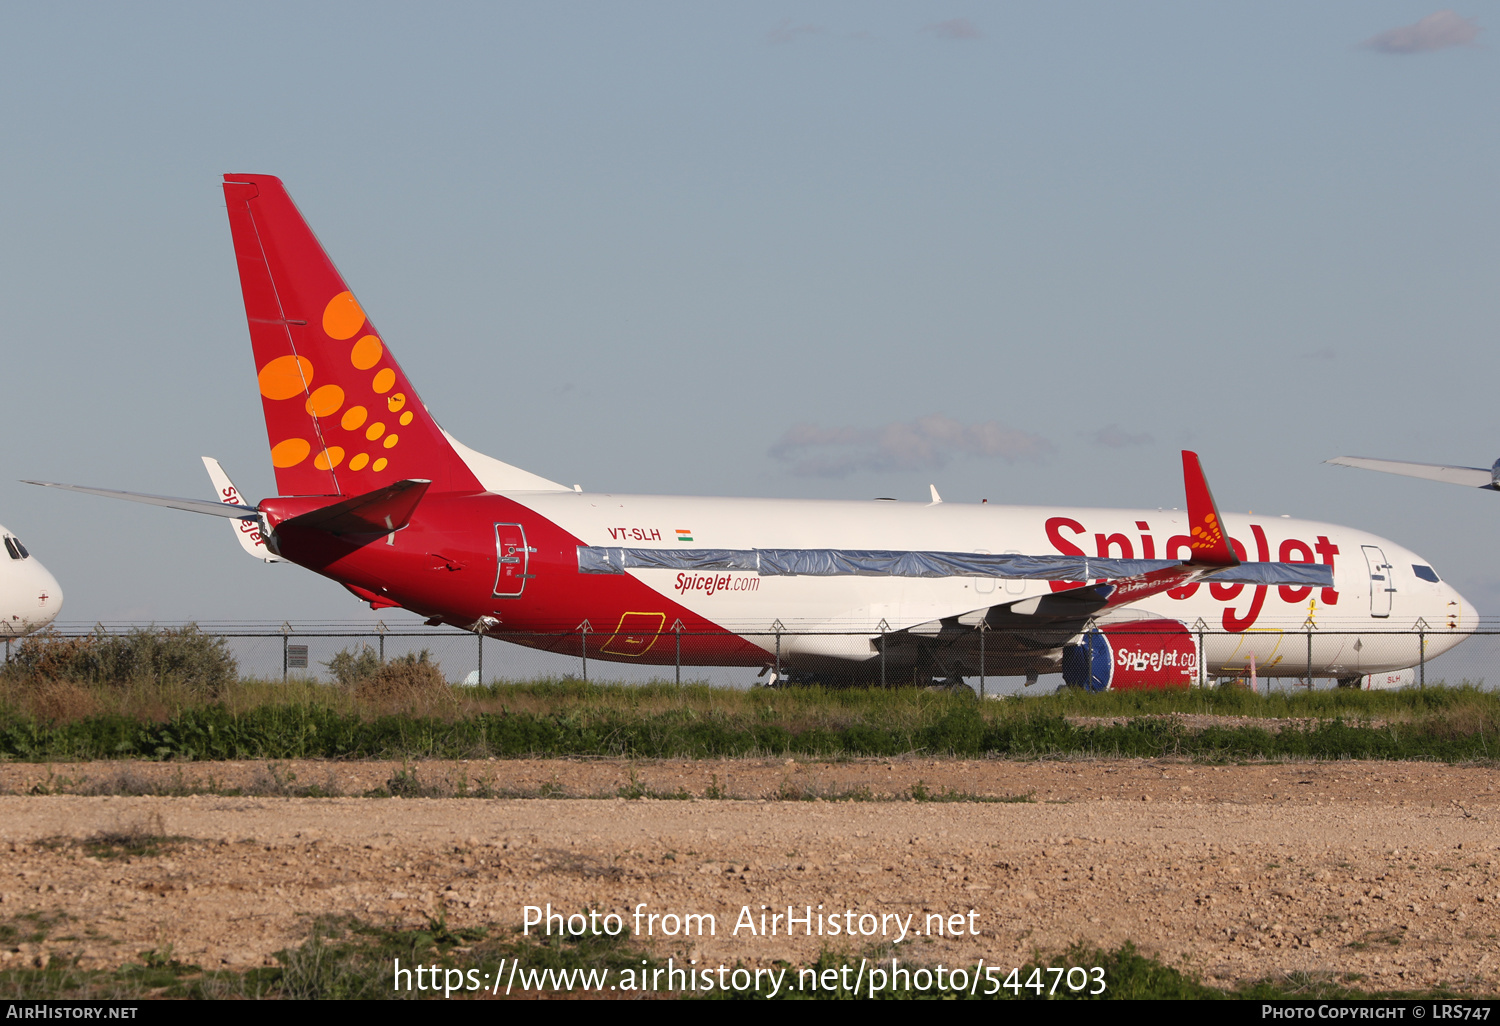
375 495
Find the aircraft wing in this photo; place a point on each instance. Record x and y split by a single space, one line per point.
912 563
209 506
1076 605
1472 477
378 512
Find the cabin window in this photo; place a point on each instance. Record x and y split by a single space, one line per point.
1426 573
10 546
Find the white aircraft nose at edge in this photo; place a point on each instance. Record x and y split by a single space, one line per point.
30 597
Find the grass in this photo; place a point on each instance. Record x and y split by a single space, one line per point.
275 780
345 958
30 928
920 793
260 720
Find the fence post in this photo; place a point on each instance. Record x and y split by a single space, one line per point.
677 630
583 630
286 635
7 650
380 630
883 628
778 628
480 673
1088 656
1201 627
984 626
1421 628
1308 623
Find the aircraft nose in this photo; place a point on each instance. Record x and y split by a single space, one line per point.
49 597
1458 614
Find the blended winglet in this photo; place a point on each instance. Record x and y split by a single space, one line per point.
250 534
1206 537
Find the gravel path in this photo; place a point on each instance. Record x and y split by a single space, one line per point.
1387 870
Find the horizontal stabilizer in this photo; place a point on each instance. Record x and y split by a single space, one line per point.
895 563
379 512
213 509
1471 477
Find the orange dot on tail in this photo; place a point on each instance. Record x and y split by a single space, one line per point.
366 353
358 463
406 418
384 380
390 441
285 377
379 464
395 402
342 317
290 452
325 401
354 416
375 430
329 458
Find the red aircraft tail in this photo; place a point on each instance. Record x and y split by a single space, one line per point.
341 416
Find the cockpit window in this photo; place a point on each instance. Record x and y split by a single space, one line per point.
21 549
1426 573
10 546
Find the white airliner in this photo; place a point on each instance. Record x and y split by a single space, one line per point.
29 595
375 495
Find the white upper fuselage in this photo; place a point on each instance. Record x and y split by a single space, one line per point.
30 597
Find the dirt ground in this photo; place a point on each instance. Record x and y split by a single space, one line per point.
1386 870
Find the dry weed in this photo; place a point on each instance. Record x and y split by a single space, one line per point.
407 679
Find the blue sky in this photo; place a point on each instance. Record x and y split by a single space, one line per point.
1025 252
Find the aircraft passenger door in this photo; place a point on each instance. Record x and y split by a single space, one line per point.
983 585
1381 585
514 558
1014 585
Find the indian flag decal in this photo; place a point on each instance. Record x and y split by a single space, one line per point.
684 535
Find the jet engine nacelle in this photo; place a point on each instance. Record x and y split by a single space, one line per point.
1406 678
1134 654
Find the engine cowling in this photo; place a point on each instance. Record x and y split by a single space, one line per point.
1135 654
1388 681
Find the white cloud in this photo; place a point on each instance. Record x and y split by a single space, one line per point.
923 444
1434 32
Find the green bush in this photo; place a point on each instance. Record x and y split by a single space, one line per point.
199 663
349 668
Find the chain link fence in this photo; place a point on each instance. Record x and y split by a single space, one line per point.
992 662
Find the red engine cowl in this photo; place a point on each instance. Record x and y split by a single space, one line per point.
1134 654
